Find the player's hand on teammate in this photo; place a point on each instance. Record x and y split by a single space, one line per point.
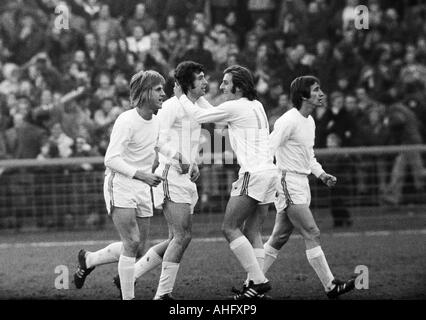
195 173
177 90
184 165
149 178
329 180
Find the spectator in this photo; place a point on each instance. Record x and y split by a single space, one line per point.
322 67
282 107
249 53
91 47
106 27
221 49
138 42
340 163
59 141
11 77
106 116
157 57
29 40
171 27
337 121
143 19
105 88
24 139
200 24
403 130
262 10
197 53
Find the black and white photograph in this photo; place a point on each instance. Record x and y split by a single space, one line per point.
247 152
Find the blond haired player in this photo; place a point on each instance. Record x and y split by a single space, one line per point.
128 180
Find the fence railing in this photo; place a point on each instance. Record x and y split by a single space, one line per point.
68 193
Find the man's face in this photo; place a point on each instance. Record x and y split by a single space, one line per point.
350 103
157 97
199 86
227 85
316 95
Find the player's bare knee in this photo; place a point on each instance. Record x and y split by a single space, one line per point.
131 245
312 233
226 230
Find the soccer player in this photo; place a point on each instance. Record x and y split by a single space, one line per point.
249 137
292 141
128 180
177 193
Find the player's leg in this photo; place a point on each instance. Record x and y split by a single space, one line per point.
281 232
252 231
152 258
111 253
125 222
87 261
238 209
179 217
303 220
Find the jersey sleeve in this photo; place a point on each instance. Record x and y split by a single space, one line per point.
280 134
316 167
119 140
221 113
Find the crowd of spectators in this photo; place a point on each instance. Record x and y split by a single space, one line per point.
62 89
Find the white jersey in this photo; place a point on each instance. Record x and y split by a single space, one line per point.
292 142
248 129
178 131
132 144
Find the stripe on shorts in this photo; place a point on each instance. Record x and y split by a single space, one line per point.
286 193
111 188
165 182
244 187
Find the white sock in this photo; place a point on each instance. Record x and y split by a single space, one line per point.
148 262
169 272
317 260
260 257
126 271
271 255
109 254
244 252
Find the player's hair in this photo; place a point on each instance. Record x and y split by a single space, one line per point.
185 74
301 88
141 85
243 79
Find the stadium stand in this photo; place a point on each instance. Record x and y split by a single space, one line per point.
62 89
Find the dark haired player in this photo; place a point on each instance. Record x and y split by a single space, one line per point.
177 194
292 142
249 137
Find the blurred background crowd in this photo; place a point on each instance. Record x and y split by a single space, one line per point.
62 89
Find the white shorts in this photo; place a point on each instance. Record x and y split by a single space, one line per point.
261 185
176 187
123 192
292 189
